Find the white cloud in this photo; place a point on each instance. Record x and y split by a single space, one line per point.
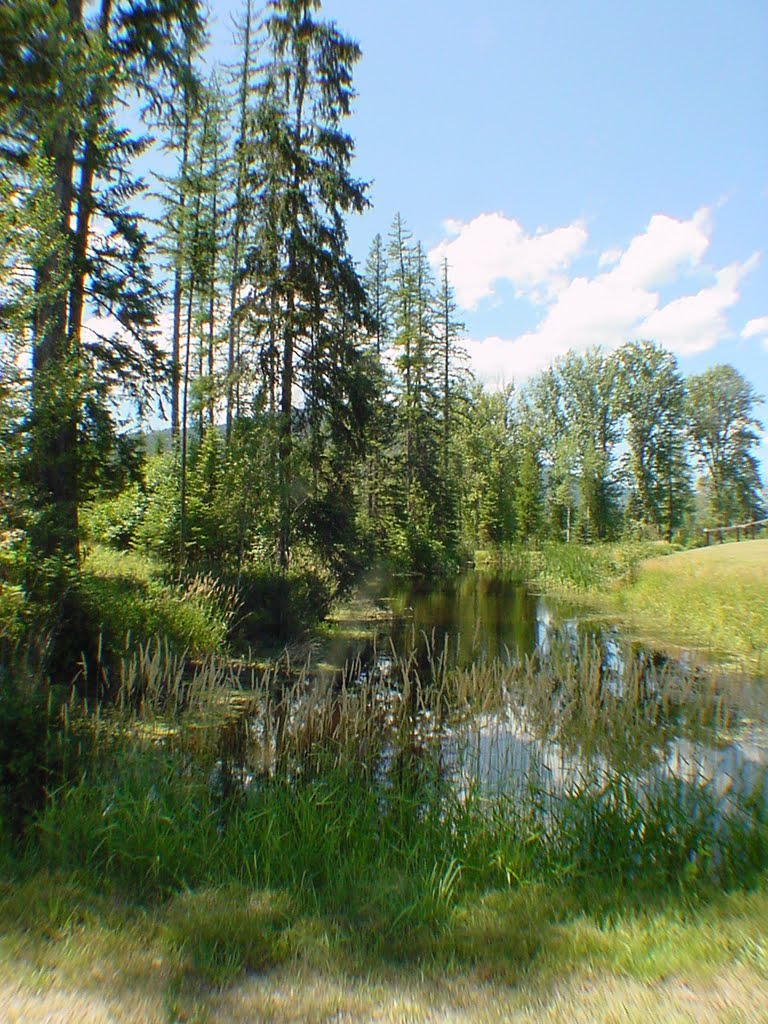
609 258
619 302
493 248
666 247
755 328
696 323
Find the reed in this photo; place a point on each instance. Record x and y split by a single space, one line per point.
512 820
383 794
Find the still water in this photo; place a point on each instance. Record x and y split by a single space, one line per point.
576 696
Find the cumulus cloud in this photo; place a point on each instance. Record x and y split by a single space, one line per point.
619 302
757 328
493 248
696 323
666 247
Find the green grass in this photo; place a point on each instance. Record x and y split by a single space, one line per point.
350 861
127 594
349 818
715 599
529 953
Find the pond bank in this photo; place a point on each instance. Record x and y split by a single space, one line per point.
711 600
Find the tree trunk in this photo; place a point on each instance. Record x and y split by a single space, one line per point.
54 372
232 362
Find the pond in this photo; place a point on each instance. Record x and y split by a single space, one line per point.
534 692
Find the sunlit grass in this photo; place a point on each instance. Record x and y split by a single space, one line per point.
338 839
235 954
714 598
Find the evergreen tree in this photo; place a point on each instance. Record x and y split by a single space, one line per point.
298 263
244 85
451 391
63 77
375 283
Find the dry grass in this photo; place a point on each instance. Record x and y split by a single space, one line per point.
293 994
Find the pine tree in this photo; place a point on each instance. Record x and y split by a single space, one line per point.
63 76
244 86
298 263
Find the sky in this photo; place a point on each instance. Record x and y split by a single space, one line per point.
593 171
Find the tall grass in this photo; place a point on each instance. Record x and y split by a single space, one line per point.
712 598
570 568
379 798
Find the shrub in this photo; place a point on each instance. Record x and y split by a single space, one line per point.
26 725
115 520
274 605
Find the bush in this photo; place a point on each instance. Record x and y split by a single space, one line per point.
192 616
158 529
14 606
26 721
115 521
274 605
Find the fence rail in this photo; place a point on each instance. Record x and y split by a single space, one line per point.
750 530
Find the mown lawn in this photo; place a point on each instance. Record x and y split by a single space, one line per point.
528 955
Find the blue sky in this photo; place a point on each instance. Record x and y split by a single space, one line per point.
593 171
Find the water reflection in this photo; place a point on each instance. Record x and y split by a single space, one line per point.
563 698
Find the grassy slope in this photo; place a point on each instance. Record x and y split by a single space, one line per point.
713 598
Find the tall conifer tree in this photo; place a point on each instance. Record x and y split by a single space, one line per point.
302 164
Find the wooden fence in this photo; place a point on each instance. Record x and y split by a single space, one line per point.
749 530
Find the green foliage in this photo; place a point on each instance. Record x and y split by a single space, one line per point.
407 541
528 496
14 602
723 429
27 762
115 521
276 606
127 597
329 526
157 529
488 467
653 401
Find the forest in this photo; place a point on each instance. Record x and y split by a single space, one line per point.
323 416
214 423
